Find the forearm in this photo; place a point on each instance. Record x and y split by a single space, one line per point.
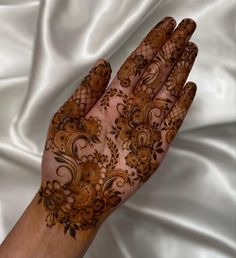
30 237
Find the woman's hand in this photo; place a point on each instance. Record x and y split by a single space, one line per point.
105 142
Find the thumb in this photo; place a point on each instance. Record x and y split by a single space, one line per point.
91 88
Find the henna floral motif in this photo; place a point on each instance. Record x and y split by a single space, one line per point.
141 138
87 194
95 164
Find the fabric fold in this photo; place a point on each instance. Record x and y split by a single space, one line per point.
188 208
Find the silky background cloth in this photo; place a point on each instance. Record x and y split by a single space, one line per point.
188 208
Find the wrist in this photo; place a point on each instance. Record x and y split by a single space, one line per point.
31 229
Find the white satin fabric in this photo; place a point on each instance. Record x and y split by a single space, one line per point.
188 208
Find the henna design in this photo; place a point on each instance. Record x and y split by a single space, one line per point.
87 186
91 88
68 119
91 176
175 118
78 203
180 72
141 138
88 192
133 66
111 92
159 68
147 49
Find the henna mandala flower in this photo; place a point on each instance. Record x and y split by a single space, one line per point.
136 117
132 160
144 170
60 140
144 154
143 161
90 170
93 126
57 201
84 194
71 126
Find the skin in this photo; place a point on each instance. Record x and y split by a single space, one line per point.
107 140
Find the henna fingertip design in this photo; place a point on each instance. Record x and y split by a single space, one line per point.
167 20
191 88
104 63
189 24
